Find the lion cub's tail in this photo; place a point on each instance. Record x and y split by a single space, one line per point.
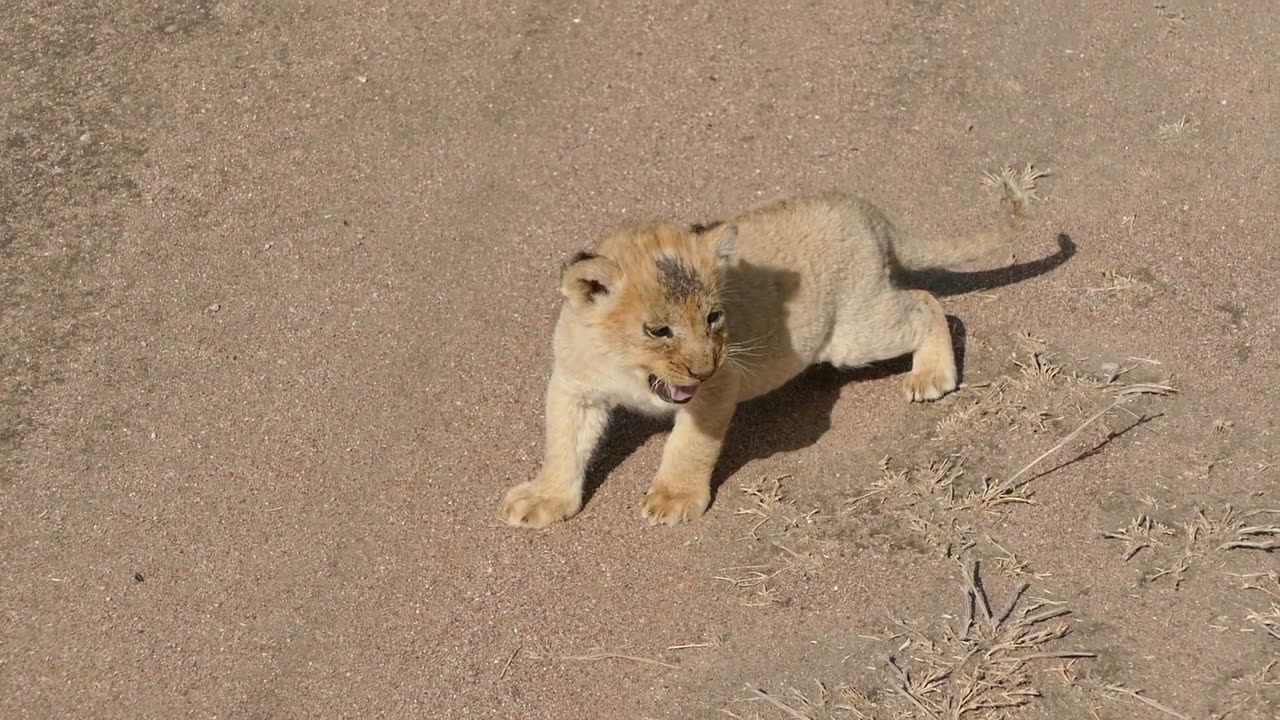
915 254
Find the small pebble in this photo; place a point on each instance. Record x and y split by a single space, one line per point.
214 308
137 577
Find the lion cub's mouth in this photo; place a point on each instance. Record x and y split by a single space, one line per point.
678 394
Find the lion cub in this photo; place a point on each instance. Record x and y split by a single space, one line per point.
692 321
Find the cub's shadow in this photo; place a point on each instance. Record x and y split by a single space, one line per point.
796 415
944 283
790 418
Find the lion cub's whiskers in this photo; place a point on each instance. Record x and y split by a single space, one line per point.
745 355
744 368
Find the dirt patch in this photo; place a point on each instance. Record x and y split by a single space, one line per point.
278 282
72 129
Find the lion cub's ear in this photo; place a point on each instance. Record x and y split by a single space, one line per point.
587 278
722 239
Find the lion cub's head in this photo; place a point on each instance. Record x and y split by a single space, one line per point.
652 294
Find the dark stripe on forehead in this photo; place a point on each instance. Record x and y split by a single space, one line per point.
678 280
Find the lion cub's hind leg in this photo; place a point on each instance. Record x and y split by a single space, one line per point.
898 322
933 360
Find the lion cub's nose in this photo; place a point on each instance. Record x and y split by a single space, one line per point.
701 376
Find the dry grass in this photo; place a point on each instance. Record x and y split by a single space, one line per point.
981 664
1008 403
1009 564
1140 534
927 500
541 650
1256 695
890 481
1039 371
993 496
998 644
936 478
1238 530
770 509
1020 181
1114 691
962 419
939 502
764 596
1041 393
1121 394
823 704
768 504
1114 281
977 670
1268 620
1205 535
1208 534
758 576
1267 583
1127 693
750 576
1128 222
1098 688
1177 129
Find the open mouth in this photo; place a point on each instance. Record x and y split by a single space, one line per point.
678 394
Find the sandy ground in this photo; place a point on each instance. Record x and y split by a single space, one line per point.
278 280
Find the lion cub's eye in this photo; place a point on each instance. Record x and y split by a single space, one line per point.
661 332
714 317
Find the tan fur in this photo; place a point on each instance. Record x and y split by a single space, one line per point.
798 282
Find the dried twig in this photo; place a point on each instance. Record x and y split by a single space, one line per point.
785 708
904 687
973 586
618 656
1063 655
690 646
1121 395
507 665
1123 691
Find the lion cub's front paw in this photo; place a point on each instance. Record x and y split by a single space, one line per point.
929 383
528 505
674 505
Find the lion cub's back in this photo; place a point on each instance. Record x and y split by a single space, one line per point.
833 241
815 234
798 261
